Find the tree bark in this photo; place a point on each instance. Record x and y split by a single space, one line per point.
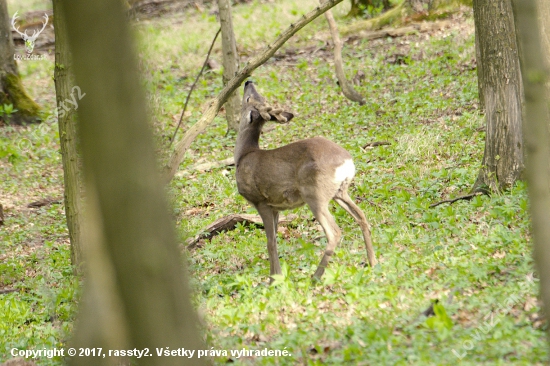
535 70
230 63
67 134
132 227
502 93
544 24
13 91
210 113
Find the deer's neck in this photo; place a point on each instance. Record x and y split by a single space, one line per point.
247 141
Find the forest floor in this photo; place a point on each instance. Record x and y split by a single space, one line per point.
470 262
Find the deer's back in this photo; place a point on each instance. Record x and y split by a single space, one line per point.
282 176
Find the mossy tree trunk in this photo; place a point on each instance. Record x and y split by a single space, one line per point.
67 133
404 12
230 63
13 91
501 90
358 7
135 251
533 37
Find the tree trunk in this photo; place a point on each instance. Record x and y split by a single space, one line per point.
130 223
67 133
348 91
479 67
230 63
535 70
13 91
544 24
502 93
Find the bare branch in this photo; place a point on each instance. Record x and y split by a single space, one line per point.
194 84
7 290
234 83
376 143
468 196
347 89
205 167
228 223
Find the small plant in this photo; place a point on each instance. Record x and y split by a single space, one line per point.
440 321
6 111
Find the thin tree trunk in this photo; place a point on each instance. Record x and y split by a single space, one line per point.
230 63
502 94
67 133
133 228
534 67
13 91
348 91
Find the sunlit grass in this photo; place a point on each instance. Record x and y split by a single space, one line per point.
470 256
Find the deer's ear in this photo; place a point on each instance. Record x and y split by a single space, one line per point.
288 116
253 116
280 116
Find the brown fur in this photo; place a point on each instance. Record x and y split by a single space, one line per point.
291 176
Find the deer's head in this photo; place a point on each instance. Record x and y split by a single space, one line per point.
256 110
29 40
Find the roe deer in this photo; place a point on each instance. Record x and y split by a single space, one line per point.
312 171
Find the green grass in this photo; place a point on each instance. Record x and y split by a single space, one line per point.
474 257
27 5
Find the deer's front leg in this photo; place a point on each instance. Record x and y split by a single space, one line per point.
270 218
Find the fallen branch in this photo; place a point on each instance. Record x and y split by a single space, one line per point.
468 196
7 290
206 167
234 83
347 89
404 31
193 86
44 202
228 223
376 143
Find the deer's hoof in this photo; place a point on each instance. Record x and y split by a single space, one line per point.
318 274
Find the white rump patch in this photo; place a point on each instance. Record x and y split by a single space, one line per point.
344 171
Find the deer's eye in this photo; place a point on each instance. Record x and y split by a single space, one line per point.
247 99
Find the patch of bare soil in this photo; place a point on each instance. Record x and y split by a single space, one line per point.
147 9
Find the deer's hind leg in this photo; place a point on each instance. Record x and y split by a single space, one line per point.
343 199
331 229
